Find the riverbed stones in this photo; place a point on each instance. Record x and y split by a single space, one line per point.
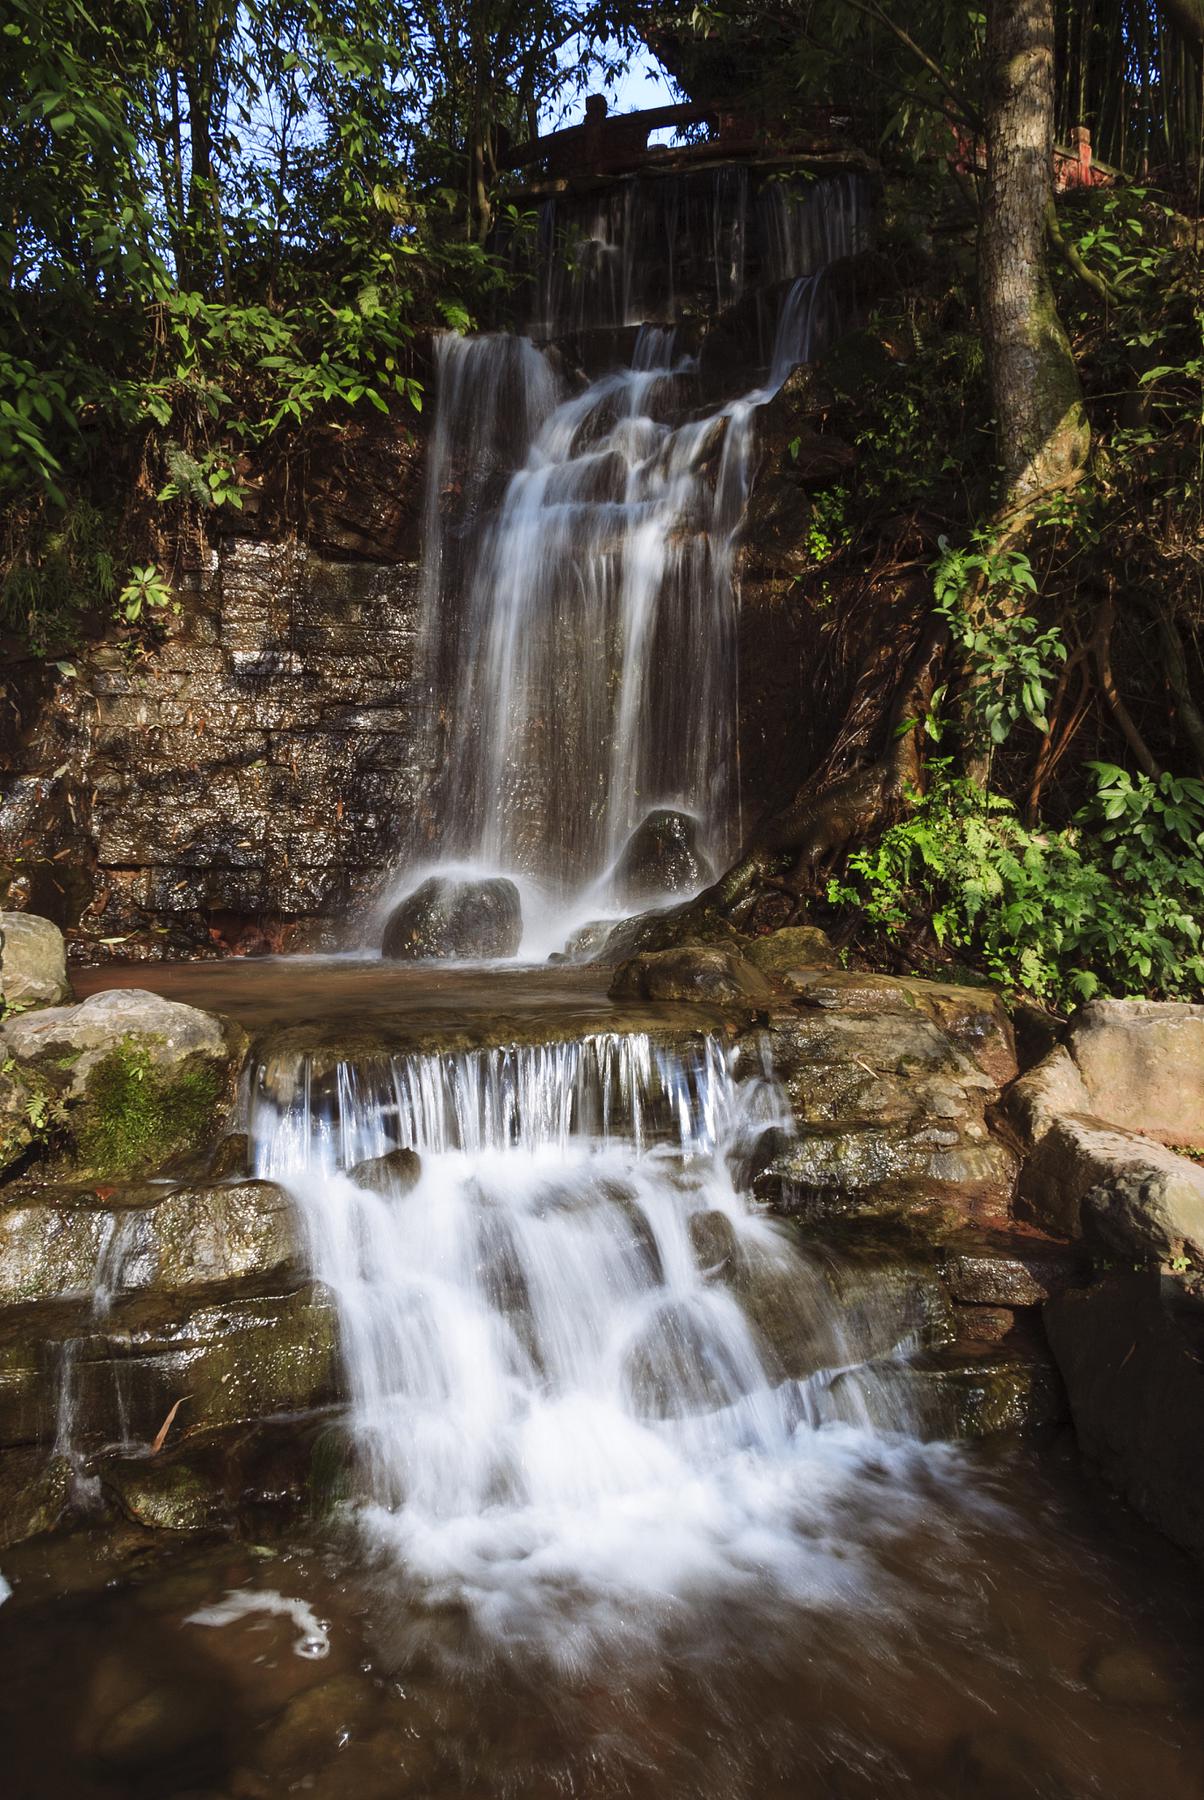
1009 1268
967 1390
393 1174
891 1123
465 921
713 1240
164 1494
35 1492
661 858
33 961
694 972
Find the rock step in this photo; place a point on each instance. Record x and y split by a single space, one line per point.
967 1391
1009 1268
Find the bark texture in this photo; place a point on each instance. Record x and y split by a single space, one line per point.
1040 423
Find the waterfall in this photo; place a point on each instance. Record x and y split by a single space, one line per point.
585 1374
579 647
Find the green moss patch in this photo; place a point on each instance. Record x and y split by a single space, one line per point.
136 1115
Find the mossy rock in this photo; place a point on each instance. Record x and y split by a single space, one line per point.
792 947
121 1083
165 1495
136 1116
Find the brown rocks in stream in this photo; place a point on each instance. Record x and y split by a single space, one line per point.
460 920
662 857
54 1244
141 1312
693 972
891 1113
393 1174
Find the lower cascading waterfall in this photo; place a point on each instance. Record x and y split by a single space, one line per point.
589 1383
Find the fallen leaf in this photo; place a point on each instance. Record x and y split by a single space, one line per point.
161 1434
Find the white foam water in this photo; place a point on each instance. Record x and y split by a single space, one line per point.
567 1419
313 1636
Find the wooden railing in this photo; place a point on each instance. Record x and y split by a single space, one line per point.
607 144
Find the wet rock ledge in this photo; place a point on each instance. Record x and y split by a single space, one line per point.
164 1356
143 1277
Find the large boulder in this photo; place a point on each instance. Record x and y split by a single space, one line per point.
661 858
33 961
128 1078
1142 1063
1127 1195
466 921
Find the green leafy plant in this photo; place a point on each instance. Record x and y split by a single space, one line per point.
1112 904
1010 660
146 591
65 571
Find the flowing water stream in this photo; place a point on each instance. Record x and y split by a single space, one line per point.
566 1418
632 1496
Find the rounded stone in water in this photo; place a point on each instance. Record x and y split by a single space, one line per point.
662 856
457 920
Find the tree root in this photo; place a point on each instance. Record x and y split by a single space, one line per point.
817 826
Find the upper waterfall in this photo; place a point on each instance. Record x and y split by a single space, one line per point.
579 643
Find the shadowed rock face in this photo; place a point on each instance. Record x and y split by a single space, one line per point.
464 920
662 857
1129 1349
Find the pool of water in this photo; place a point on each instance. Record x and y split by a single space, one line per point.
985 1624
337 995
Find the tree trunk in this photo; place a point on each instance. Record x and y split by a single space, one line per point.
1041 429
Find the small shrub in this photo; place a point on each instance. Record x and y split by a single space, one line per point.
1111 905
